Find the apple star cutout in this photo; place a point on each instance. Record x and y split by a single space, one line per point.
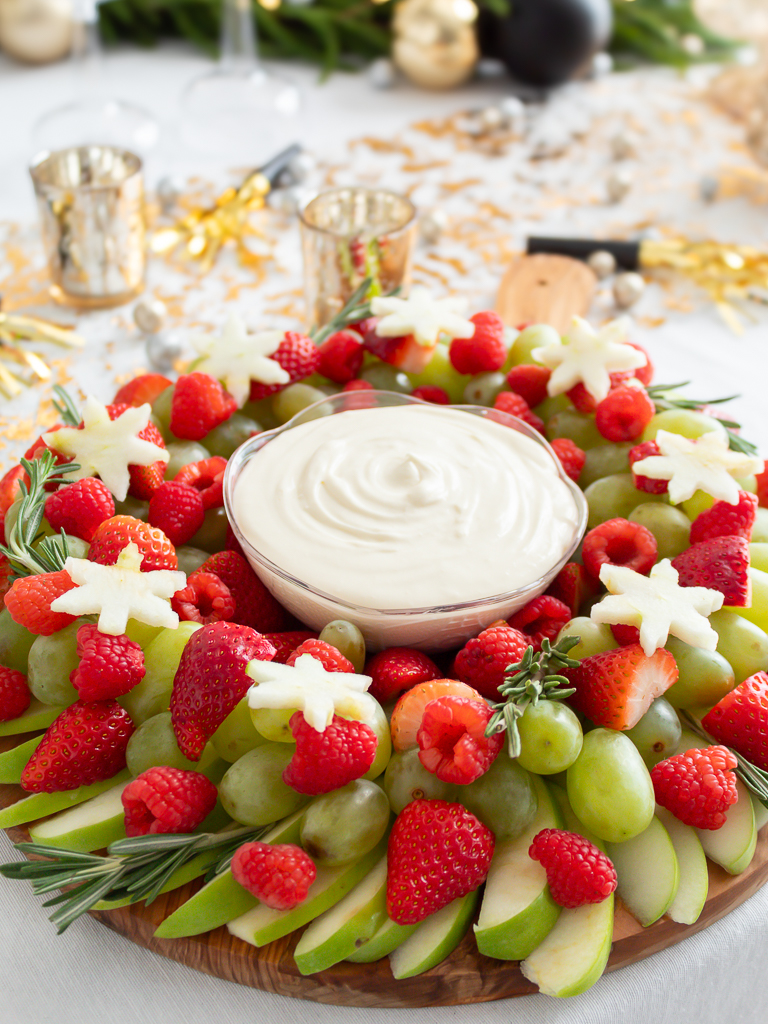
236 358
120 592
703 464
105 447
589 357
658 605
422 316
307 685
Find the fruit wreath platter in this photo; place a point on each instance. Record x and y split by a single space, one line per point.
417 649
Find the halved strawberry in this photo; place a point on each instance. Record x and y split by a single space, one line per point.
615 688
573 586
721 563
404 352
142 389
144 479
726 520
740 719
116 533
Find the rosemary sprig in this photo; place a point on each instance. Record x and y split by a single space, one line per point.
754 778
661 398
65 407
137 868
533 679
358 307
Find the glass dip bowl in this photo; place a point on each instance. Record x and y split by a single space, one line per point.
434 628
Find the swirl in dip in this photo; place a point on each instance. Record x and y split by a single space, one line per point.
410 506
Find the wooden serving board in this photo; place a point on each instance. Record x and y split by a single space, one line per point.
465 977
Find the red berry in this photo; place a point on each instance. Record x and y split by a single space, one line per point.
109 665
721 563
762 486
254 605
357 395
619 542
199 404
204 599
514 405
9 487
327 760
726 520
624 413
572 458
431 393
15 697
625 635
29 602
164 799
541 618
530 382
144 480
482 661
573 586
642 373
330 657
80 508
285 643
115 534
396 670
142 389
207 478
647 483
698 786
581 398
298 356
437 852
485 351
577 871
341 356
358 385
278 876
408 712
177 510
740 719
452 741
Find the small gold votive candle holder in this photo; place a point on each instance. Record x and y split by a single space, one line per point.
91 205
348 235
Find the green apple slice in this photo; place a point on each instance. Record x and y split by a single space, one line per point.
692 890
332 936
386 939
14 761
89 826
435 938
39 805
733 845
517 910
648 872
761 811
37 716
263 924
223 899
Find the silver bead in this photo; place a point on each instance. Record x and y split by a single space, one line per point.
602 263
300 168
489 67
432 224
627 289
168 192
513 111
623 145
692 44
709 186
149 315
618 184
290 200
602 64
163 350
490 119
382 74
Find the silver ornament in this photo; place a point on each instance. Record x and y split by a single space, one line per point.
301 167
623 145
602 263
169 191
382 74
490 119
432 224
163 350
513 111
489 67
627 289
709 186
602 64
618 184
149 315
692 44
290 200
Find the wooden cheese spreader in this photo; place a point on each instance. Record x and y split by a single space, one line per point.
545 289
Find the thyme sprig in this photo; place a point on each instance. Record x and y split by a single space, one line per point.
662 397
754 778
533 679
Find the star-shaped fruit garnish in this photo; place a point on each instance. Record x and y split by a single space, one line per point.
703 464
589 357
658 605
106 447
307 686
422 316
236 358
120 592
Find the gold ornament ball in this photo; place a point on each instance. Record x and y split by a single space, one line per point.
434 41
36 31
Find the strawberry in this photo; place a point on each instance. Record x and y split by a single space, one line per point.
177 510
740 719
254 605
541 618
164 799
144 479
142 390
80 507
615 688
530 382
762 486
341 356
452 741
299 357
514 405
113 535
15 697
619 542
330 657
573 586
109 666
327 760
285 643
431 393
408 713
403 352
279 875
9 487
647 483
437 852
397 669
485 351
721 563
624 634
207 478
6 569
85 744
726 520
211 680
577 871
199 404
29 602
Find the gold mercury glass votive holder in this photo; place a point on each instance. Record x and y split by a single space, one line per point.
348 235
91 205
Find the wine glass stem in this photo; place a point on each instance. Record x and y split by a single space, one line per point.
238 36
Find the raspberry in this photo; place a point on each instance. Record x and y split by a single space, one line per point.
437 852
619 542
481 661
698 786
485 351
572 458
144 480
109 665
624 413
452 741
725 520
330 759
581 398
398 669
298 356
646 483
279 876
358 385
285 643
642 373
573 586
116 533
207 478
164 799
254 605
625 635
177 510
358 395
341 356
204 599
15 697
330 657
514 405
530 382
541 618
6 570
577 872
408 713
142 389
199 404
431 393
80 507
29 602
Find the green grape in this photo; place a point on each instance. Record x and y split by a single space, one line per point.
378 721
699 502
161 660
658 732
552 405
534 336
236 735
51 660
273 723
252 790
261 412
295 399
758 610
578 426
760 529
615 497
342 826
440 372
484 387
229 435
595 637
703 676
609 787
190 558
550 737
386 378
503 798
347 638
670 527
76 546
687 422
183 453
132 507
15 643
161 413
212 535
604 460
758 555
141 633
743 644
407 779
11 516
154 743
